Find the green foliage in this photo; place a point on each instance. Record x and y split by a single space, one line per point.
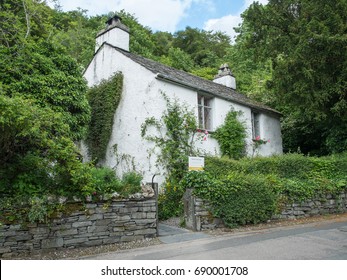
131 183
142 41
43 73
27 205
175 137
204 47
104 181
75 32
297 177
252 190
238 199
305 45
178 59
231 136
176 130
170 201
37 156
104 99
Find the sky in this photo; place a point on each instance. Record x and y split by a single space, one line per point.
171 15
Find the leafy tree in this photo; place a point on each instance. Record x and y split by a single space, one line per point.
21 19
178 59
163 42
43 107
306 44
37 155
205 47
43 73
75 32
141 38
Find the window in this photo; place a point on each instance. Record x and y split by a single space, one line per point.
255 125
205 112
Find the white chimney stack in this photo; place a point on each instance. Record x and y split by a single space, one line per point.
225 77
115 34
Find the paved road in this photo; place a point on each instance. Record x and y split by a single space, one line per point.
321 240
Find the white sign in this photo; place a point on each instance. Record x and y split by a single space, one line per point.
196 163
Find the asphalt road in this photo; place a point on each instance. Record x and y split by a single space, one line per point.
325 240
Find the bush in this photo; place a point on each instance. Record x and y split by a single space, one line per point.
170 201
131 183
252 190
239 199
231 136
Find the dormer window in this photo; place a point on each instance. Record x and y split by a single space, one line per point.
205 112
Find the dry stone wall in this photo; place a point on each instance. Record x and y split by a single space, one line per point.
198 215
96 224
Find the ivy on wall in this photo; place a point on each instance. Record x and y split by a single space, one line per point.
176 130
231 136
104 99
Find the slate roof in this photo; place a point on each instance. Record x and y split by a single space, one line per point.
188 80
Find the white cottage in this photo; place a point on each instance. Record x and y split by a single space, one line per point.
144 82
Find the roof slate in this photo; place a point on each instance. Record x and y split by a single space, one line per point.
168 73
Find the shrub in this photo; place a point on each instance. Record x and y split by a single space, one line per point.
105 181
170 200
131 183
231 136
252 190
238 199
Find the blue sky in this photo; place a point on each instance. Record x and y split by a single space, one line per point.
171 15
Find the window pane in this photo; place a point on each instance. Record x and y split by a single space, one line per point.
207 102
201 117
208 119
200 100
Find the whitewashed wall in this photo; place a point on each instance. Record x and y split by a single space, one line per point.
270 130
142 98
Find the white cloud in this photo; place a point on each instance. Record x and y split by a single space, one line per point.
161 15
229 22
225 24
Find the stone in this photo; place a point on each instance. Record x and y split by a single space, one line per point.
5 250
95 217
111 240
52 243
66 232
102 222
138 215
151 215
131 238
90 243
145 231
75 241
81 224
15 227
39 230
145 221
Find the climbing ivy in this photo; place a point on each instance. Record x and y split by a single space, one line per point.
231 136
176 131
175 136
103 99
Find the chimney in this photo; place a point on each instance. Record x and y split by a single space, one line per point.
225 77
115 33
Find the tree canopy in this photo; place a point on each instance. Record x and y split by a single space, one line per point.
306 43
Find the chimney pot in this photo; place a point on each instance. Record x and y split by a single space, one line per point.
225 77
115 34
